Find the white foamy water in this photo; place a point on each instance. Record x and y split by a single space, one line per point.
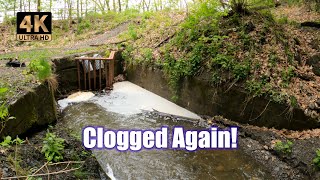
127 98
118 110
110 173
75 98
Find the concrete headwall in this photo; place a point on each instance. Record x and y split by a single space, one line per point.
35 108
200 97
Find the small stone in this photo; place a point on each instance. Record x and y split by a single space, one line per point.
220 168
312 106
314 114
318 102
265 147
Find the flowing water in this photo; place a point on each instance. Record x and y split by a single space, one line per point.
121 109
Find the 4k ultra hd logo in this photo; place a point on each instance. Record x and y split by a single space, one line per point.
34 26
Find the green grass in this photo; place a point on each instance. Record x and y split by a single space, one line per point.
31 54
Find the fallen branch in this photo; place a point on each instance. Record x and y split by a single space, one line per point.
65 170
40 168
265 108
66 162
44 174
311 24
165 40
109 43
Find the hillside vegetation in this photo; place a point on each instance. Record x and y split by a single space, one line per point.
259 48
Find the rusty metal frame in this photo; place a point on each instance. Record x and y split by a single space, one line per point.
108 66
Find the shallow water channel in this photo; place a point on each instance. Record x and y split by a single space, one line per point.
121 109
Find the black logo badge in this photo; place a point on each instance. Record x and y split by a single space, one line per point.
34 26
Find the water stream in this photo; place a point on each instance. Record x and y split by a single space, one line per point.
121 109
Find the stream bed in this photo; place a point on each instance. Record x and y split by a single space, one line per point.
121 109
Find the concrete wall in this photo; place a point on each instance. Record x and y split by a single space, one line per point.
200 97
66 70
34 109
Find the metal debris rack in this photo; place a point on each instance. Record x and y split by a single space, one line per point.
103 63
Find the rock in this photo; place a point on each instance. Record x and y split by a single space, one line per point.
314 61
314 114
312 106
311 24
318 102
15 63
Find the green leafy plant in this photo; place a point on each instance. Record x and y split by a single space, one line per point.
41 68
4 111
53 147
316 160
147 54
18 141
287 75
83 25
284 147
132 32
6 142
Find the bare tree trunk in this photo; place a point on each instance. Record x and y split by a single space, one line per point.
155 4
114 5
78 13
127 4
14 7
70 11
21 2
143 1
86 7
39 5
160 2
64 9
80 8
148 7
187 8
108 4
50 5
119 2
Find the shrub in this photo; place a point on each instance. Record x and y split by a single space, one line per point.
316 160
7 141
239 6
41 68
84 24
53 147
132 32
284 147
